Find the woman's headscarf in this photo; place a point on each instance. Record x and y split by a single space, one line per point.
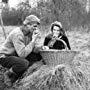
57 23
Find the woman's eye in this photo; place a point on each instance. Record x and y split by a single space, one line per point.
56 30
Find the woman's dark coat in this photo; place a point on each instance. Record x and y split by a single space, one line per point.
58 44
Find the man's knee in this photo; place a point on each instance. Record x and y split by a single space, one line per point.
20 68
26 64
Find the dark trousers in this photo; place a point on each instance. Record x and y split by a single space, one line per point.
18 64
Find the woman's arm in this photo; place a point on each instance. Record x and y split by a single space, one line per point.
46 41
67 41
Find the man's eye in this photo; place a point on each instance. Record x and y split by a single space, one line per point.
34 25
58 30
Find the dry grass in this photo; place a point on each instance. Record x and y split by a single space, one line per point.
8 29
62 77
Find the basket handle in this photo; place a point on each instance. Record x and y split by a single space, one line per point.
63 43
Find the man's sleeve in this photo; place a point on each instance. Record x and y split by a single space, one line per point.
21 49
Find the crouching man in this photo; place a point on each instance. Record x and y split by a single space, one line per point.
17 50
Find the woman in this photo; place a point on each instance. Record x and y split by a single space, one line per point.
57 39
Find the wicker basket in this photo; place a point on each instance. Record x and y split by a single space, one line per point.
56 57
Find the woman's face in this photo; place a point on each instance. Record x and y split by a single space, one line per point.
56 31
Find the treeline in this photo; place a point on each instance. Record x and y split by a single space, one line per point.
69 12
10 17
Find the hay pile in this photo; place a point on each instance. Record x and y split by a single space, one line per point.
2 85
61 77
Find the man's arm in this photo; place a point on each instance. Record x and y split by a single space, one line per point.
21 49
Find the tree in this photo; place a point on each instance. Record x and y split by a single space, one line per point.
23 9
5 1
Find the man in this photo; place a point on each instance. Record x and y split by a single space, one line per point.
17 50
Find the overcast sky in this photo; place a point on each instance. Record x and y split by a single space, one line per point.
13 3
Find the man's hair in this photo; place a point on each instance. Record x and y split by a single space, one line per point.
30 19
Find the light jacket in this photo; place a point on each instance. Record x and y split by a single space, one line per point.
16 42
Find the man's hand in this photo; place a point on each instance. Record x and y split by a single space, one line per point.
36 35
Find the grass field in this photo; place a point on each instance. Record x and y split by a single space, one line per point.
79 40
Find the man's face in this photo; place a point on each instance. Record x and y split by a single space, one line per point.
30 27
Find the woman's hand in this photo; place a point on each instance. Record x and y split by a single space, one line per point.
45 47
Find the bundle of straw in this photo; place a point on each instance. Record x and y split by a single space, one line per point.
61 77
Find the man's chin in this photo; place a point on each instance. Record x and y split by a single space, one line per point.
27 34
